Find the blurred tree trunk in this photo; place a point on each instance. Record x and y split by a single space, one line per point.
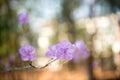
8 29
90 59
67 8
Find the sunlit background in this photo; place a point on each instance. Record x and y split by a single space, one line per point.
97 22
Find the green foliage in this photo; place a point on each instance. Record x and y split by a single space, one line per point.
8 29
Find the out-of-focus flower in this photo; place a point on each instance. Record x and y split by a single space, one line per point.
1 62
11 58
80 51
27 53
62 51
23 18
95 64
7 66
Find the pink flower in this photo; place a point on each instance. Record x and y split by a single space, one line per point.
80 51
23 18
62 51
27 53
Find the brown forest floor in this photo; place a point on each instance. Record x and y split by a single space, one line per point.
44 74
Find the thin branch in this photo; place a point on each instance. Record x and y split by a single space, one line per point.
49 62
28 67
16 69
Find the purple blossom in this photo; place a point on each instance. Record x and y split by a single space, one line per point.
27 53
23 18
7 66
95 64
62 51
1 62
11 58
80 51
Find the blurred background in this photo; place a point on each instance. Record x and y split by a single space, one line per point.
96 22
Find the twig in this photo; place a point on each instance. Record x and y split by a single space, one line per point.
28 67
49 62
16 69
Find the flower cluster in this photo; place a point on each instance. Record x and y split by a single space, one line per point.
27 53
67 51
62 51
